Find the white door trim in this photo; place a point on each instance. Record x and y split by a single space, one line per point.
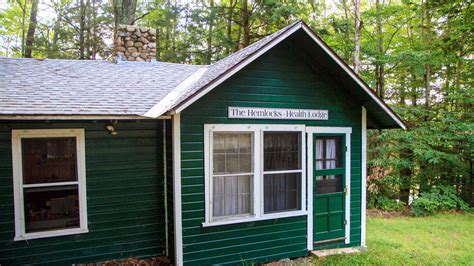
322 130
363 184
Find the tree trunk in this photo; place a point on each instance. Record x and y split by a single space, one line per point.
94 30
210 32
23 19
129 9
245 14
230 13
30 36
239 37
427 75
379 65
357 36
82 29
346 18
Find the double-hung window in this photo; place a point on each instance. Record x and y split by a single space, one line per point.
253 172
282 171
49 182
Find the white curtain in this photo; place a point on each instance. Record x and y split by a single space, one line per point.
331 153
232 155
231 195
319 153
326 159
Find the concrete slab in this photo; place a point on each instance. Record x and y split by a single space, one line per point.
329 252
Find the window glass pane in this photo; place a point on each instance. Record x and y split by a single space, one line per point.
319 148
232 195
282 151
282 192
329 184
328 153
50 208
47 160
232 153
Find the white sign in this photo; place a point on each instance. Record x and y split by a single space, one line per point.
277 113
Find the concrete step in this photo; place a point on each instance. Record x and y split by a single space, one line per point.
328 252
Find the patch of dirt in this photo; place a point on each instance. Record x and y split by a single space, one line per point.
156 261
386 214
292 262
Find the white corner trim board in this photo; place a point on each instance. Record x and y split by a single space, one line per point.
310 171
178 226
162 106
18 186
363 178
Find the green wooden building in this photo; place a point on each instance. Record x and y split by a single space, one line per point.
258 157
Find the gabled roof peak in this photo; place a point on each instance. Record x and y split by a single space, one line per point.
78 87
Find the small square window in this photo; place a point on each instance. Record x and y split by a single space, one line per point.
328 153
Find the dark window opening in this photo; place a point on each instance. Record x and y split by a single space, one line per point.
329 184
48 205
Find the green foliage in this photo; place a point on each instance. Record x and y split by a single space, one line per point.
442 198
386 204
417 55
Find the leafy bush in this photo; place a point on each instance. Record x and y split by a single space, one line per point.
441 198
386 204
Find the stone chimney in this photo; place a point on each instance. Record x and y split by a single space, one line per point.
135 43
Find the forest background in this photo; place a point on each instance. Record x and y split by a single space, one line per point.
417 55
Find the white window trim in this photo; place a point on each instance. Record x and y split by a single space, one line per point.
17 135
257 204
347 131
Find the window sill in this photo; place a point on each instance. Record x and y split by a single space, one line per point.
239 220
64 232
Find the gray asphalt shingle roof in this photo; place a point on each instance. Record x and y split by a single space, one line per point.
79 87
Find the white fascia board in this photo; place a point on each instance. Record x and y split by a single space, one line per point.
354 76
240 66
170 99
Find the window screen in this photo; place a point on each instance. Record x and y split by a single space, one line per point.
232 174
282 171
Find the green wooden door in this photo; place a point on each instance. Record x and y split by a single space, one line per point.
329 188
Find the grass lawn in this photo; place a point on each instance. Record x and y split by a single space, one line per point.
446 239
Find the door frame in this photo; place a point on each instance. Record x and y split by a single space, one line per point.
347 131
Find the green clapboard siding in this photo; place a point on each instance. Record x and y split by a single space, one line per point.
277 79
124 175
